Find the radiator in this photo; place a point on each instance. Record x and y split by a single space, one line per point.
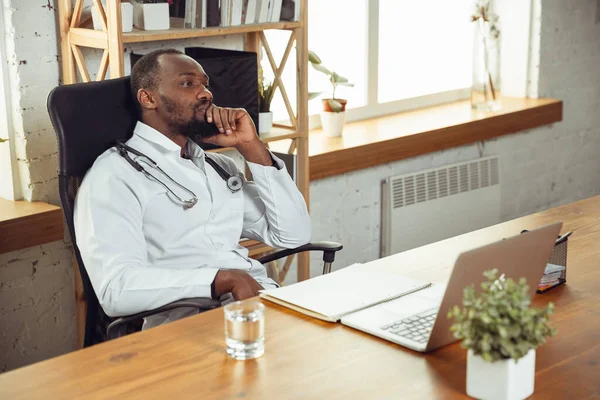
435 204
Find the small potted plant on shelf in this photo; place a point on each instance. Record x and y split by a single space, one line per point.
501 333
333 115
151 15
266 90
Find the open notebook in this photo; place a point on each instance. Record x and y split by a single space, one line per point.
332 296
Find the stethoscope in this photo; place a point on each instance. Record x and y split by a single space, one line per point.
234 182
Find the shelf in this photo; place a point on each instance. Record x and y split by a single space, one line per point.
275 135
24 224
390 138
138 36
279 134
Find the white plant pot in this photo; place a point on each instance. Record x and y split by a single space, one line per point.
265 122
500 380
126 17
151 17
333 123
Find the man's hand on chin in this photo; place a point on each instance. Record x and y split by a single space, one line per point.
235 126
236 129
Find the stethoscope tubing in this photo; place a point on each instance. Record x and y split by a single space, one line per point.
234 182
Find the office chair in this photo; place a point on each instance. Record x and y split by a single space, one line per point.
88 119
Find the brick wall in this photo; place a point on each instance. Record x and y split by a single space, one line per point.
541 168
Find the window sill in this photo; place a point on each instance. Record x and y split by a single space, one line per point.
24 224
391 138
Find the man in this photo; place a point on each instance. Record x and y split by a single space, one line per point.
141 245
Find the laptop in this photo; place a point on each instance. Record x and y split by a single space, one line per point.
419 321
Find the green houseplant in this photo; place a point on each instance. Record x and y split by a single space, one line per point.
334 108
266 91
501 332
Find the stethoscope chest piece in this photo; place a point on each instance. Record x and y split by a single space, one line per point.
235 183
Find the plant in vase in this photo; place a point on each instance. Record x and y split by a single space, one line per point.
151 15
334 109
266 90
486 58
501 333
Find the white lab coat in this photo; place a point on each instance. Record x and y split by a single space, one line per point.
142 249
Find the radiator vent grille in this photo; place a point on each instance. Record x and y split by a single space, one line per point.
446 181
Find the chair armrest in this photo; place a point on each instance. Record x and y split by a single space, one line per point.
118 327
328 248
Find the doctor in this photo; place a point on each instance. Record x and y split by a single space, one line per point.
142 246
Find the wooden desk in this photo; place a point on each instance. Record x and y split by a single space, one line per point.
24 224
307 358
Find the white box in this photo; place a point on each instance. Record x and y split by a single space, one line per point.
126 17
151 17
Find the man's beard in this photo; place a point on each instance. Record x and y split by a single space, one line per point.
192 128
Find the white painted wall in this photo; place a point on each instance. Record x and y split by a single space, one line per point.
542 168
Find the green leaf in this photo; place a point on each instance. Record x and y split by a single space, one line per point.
485 318
314 95
337 78
313 58
322 69
345 84
3 140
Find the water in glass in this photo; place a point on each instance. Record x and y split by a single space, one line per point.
245 329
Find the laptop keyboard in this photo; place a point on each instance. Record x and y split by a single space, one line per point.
416 327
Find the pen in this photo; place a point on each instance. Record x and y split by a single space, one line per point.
563 238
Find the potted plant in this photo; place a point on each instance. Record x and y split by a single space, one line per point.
266 90
151 15
334 109
501 332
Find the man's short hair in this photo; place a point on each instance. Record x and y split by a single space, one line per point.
144 74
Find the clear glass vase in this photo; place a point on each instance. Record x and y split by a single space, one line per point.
485 91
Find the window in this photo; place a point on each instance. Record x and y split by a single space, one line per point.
399 54
424 48
9 188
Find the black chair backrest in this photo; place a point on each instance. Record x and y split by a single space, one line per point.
88 119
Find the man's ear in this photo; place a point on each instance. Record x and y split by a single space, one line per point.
146 99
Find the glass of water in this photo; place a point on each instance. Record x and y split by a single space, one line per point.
245 329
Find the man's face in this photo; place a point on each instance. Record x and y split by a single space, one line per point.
183 96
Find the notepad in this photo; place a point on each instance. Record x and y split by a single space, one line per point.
332 296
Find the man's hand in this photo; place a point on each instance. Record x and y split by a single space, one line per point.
235 126
237 130
239 283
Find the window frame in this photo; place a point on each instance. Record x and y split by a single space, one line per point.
10 188
519 64
374 108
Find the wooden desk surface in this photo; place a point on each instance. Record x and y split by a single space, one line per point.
24 224
307 358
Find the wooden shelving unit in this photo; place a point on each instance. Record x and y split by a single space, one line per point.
76 33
